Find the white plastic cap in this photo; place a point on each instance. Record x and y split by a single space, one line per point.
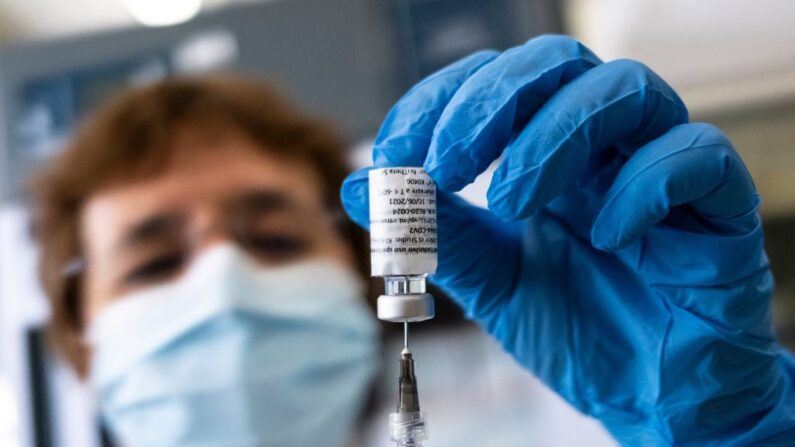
410 307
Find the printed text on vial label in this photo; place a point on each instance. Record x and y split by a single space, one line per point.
403 219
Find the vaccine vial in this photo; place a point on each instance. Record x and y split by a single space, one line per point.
403 242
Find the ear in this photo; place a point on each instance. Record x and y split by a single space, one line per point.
66 332
81 358
67 342
83 361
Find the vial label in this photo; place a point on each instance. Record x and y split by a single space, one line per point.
402 222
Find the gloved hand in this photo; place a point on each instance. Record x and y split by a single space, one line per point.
621 257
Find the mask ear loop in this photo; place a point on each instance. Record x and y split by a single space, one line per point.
71 273
74 268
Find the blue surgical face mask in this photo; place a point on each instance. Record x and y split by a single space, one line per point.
233 354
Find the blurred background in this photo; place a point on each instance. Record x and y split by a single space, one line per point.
733 64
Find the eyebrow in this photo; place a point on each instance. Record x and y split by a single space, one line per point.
152 228
263 201
166 224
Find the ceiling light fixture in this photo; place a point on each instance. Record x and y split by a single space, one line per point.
163 12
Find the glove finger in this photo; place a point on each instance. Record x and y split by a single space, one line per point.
407 129
495 101
620 104
692 202
479 256
692 164
694 190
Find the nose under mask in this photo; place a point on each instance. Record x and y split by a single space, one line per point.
233 354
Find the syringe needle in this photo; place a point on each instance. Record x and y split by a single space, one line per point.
408 399
407 426
405 334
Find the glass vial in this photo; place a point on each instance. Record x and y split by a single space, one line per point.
403 241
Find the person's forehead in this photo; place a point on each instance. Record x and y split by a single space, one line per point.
200 178
233 161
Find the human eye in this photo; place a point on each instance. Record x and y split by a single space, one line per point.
277 247
154 269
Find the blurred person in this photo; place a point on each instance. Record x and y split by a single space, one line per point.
620 259
201 272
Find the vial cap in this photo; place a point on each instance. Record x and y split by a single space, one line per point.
411 307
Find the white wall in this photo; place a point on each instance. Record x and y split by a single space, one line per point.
716 53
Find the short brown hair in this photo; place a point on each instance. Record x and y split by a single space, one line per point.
129 138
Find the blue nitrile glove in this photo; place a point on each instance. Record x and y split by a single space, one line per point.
621 257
